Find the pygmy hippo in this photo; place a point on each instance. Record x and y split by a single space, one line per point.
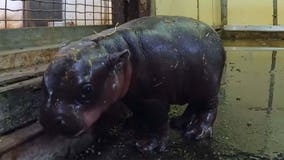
148 64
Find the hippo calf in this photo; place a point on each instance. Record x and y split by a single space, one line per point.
148 64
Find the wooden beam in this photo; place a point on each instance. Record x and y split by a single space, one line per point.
31 83
19 137
15 75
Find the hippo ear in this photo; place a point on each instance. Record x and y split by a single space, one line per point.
119 57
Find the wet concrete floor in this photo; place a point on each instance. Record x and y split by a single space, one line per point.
250 121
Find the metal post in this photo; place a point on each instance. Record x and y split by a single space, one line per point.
76 22
93 12
153 8
6 13
85 14
65 12
275 16
197 9
272 82
224 12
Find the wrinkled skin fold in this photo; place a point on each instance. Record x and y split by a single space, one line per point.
146 64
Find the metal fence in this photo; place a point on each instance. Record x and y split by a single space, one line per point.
36 13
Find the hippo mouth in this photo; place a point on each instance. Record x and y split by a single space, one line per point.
89 118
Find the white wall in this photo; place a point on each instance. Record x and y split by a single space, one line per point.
11 15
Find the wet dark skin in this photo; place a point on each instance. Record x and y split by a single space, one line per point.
147 64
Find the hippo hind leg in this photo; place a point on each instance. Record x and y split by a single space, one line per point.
197 119
151 118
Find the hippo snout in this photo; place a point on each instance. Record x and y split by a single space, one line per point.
64 122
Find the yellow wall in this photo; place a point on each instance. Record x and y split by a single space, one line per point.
177 8
250 12
209 10
281 12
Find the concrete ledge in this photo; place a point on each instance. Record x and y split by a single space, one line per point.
43 36
264 28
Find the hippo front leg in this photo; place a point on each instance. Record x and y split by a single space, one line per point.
151 118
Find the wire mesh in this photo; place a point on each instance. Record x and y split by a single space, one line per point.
51 13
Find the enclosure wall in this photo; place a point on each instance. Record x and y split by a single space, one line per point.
208 11
280 12
250 12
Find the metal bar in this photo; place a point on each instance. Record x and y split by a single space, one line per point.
153 8
85 15
76 22
53 14
51 19
42 10
224 12
93 12
197 9
55 2
24 14
65 12
105 12
101 9
275 16
272 82
5 13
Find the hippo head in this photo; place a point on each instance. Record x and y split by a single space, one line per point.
78 88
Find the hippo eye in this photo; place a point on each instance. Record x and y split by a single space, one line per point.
87 93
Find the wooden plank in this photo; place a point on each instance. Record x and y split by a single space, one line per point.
27 57
31 83
18 137
16 75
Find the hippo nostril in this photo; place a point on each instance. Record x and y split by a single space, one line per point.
60 121
65 125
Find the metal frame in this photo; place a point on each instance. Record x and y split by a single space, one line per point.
42 11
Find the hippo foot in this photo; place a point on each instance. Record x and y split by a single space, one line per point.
178 123
198 132
148 145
